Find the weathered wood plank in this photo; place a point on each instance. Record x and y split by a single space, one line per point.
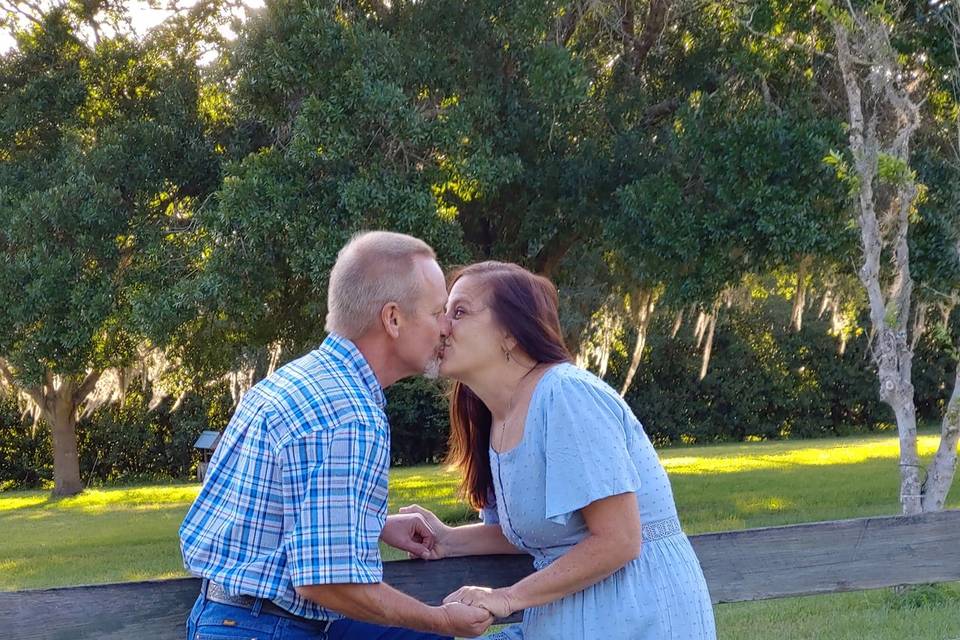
125 611
754 564
830 557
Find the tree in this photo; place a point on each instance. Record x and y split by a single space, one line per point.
104 158
882 87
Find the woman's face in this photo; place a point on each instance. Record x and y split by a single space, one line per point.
475 340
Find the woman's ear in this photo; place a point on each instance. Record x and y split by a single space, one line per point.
509 342
391 319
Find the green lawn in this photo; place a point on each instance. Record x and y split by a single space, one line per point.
129 533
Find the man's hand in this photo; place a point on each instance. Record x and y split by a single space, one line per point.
496 601
440 547
410 532
464 620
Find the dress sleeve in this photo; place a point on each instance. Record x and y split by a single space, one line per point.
587 458
489 514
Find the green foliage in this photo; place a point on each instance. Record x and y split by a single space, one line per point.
764 382
844 173
122 442
419 426
130 442
737 193
894 171
103 157
349 148
25 452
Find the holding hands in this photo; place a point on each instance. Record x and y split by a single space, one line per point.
440 533
412 532
496 601
464 620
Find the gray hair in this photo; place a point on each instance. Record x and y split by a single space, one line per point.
374 268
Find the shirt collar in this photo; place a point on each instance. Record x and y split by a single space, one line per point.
348 353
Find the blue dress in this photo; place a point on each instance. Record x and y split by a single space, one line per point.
581 443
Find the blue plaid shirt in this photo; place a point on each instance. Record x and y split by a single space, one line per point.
296 492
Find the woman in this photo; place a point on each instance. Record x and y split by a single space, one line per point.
562 470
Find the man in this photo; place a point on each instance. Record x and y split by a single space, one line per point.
286 527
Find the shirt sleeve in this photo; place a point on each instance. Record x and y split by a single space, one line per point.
587 457
331 483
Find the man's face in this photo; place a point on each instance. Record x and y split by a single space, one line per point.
421 344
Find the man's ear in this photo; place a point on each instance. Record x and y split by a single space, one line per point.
391 318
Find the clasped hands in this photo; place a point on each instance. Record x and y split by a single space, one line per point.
496 601
423 535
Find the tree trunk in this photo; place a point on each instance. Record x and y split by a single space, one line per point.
896 390
58 402
941 471
61 412
863 46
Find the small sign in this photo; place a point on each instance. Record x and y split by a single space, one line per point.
207 440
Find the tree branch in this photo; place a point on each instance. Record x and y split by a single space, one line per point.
652 29
660 110
15 8
786 43
567 24
553 253
86 387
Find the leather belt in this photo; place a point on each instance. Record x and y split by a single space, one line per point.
216 593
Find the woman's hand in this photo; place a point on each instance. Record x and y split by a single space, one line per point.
410 532
440 547
496 601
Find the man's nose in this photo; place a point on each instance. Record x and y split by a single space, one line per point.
445 325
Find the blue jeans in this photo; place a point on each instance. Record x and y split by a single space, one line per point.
214 621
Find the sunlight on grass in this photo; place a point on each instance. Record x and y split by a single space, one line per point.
98 500
760 504
21 501
829 454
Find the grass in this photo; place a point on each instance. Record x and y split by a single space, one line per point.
130 533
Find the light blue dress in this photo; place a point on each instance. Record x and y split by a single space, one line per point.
581 443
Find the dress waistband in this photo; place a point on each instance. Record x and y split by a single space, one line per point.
661 529
656 530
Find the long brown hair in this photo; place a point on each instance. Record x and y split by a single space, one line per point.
525 305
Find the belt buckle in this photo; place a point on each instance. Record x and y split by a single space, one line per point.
215 592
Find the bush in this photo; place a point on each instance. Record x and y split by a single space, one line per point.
128 442
26 451
419 426
764 382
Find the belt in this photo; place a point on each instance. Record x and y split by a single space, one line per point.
216 593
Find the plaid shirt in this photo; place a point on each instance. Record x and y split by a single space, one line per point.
296 492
